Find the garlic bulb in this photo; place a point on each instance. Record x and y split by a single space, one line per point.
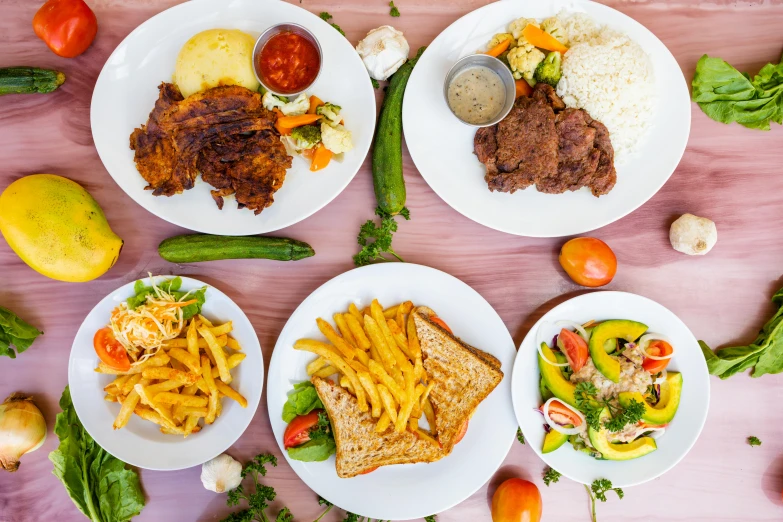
693 235
383 51
221 474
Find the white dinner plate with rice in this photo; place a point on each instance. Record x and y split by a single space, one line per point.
127 88
646 154
680 434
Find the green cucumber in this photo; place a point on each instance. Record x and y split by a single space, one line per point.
387 153
192 248
28 80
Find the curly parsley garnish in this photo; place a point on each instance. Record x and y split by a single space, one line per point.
520 436
258 500
394 11
754 441
551 476
598 491
383 238
326 17
375 83
588 403
430 518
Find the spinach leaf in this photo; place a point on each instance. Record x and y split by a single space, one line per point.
16 332
315 450
301 401
98 483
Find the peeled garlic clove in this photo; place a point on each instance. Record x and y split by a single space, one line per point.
221 474
383 51
693 235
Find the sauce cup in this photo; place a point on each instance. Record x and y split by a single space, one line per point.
498 67
274 31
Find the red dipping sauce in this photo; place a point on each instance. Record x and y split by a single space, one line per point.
288 63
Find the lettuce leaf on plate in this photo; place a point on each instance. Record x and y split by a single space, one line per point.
172 287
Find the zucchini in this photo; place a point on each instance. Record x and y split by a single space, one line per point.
387 153
27 80
192 248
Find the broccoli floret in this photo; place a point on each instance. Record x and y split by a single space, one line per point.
306 136
330 111
549 71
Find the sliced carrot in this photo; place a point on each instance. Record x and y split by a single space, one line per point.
542 39
500 48
315 102
321 157
284 131
290 122
523 88
308 153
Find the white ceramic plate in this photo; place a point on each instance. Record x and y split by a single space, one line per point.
442 147
140 443
128 87
408 491
682 432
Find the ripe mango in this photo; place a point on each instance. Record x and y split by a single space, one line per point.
57 228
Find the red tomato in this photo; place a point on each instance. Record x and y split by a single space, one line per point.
574 348
68 27
516 500
109 350
298 430
588 261
368 471
461 433
562 415
440 322
658 349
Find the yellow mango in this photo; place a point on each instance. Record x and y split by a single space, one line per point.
57 228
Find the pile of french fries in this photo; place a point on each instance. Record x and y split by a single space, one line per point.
376 356
183 382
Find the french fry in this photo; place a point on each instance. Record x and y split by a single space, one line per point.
206 372
372 393
192 341
204 321
162 410
389 313
413 423
403 310
222 329
110 398
328 371
357 366
342 326
377 314
178 398
233 344
128 405
377 371
357 330
345 382
130 383
179 413
363 357
231 393
400 340
379 342
335 339
416 409
341 365
389 404
178 430
118 382
163 386
413 338
202 343
356 313
426 407
316 364
427 436
418 370
217 353
149 414
185 357
383 423
402 360
407 407
170 374
197 412
426 393
191 423
232 362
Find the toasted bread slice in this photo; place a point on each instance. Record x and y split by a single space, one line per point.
463 376
359 448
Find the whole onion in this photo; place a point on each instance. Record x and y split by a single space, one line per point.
22 429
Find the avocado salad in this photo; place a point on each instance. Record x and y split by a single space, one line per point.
605 389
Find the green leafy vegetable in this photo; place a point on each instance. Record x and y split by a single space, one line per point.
520 436
316 450
258 500
375 83
383 238
326 17
588 403
598 491
301 401
551 476
754 441
98 483
430 518
323 502
170 286
727 95
15 332
394 11
764 354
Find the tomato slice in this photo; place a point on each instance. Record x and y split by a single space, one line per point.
109 350
461 433
440 322
563 415
658 349
574 348
368 471
298 430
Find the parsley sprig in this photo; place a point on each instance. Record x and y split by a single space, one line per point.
754 441
588 403
394 11
326 17
349 517
258 500
382 234
430 518
551 476
520 436
598 491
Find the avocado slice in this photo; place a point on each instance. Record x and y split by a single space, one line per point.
553 440
619 451
545 393
608 365
553 378
666 409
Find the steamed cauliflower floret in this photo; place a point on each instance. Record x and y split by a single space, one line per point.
331 112
292 108
523 61
336 138
270 101
499 38
517 26
555 28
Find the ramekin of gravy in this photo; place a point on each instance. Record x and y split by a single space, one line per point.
480 90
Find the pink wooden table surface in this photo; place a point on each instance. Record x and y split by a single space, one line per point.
728 173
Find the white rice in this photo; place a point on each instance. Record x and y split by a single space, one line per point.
611 77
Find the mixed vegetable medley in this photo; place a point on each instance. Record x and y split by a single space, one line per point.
605 388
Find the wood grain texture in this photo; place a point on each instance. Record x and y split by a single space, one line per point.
728 173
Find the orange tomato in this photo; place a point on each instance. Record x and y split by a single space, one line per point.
658 349
440 322
109 350
462 431
68 27
367 472
298 430
516 500
562 415
574 348
588 261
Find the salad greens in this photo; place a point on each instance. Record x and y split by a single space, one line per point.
170 286
598 491
258 501
764 354
321 445
16 332
591 406
520 436
383 238
754 441
394 11
551 476
326 17
98 483
727 95
301 401
353 517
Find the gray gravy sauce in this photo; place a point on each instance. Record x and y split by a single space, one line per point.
477 94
